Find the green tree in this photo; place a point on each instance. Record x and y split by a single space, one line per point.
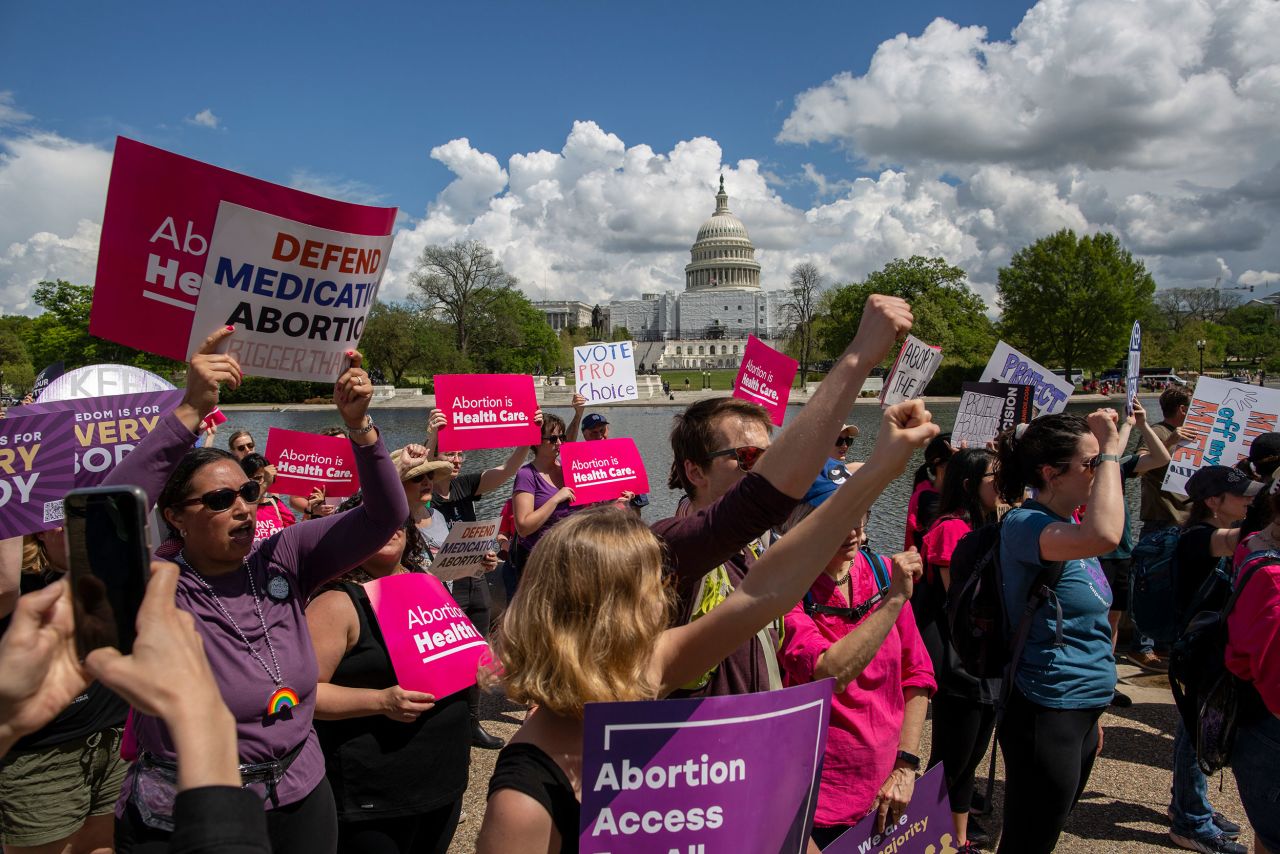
461 281
1253 335
512 336
1071 301
622 333
392 339
947 311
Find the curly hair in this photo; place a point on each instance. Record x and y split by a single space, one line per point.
591 605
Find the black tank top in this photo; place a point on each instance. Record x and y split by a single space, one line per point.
527 769
380 768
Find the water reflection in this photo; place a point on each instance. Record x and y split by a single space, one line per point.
649 427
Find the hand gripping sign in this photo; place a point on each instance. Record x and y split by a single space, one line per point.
432 645
1224 418
462 553
736 774
987 409
1007 365
602 470
1133 374
304 461
924 828
486 411
37 465
164 217
765 378
916 364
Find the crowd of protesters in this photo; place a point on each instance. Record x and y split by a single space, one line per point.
760 579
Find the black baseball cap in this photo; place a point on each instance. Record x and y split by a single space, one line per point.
593 421
1212 481
1265 448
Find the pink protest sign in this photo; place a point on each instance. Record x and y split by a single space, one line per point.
268 521
486 411
156 233
765 378
432 645
304 461
602 470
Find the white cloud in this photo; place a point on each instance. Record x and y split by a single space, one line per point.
9 112
1254 278
205 119
334 187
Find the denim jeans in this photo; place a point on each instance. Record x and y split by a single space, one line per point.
1255 761
1190 808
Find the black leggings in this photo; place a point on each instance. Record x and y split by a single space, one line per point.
961 733
309 826
1048 754
472 596
428 833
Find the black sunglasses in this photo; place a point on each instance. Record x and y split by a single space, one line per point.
248 447
844 441
557 439
221 499
747 456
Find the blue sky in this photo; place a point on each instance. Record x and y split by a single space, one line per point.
581 140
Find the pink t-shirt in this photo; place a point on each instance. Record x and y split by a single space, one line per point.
913 506
866 718
940 542
1253 630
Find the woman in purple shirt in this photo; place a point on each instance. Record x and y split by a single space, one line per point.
248 603
539 497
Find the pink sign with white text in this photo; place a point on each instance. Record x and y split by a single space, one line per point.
432 645
304 461
486 411
765 378
154 250
602 470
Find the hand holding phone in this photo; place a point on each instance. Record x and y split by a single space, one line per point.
106 533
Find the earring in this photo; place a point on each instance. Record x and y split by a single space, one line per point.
182 534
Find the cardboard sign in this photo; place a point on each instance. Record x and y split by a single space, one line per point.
156 236
1133 374
461 555
432 645
987 410
304 461
487 411
1007 365
37 469
602 470
102 381
606 372
765 378
268 521
1224 418
106 429
924 828
733 774
297 294
916 364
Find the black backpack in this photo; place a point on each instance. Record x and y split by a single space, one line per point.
986 638
1208 696
884 577
1152 576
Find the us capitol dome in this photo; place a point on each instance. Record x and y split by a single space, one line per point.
723 256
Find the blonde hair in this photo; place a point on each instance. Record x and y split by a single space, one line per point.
591 604
34 558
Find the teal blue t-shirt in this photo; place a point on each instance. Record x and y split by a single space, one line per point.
1081 674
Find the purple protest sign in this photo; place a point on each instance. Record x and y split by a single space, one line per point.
730 774
925 827
106 429
37 468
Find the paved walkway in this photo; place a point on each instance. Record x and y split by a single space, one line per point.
1123 809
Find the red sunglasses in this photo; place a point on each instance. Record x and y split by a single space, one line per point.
746 456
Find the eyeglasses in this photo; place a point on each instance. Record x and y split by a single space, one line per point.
1088 465
557 439
221 499
747 456
844 441
454 455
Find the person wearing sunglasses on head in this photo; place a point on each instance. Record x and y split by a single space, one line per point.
539 498
248 604
735 492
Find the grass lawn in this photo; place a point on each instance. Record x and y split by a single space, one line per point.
721 380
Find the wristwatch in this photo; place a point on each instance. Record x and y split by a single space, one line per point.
909 759
352 432
1108 458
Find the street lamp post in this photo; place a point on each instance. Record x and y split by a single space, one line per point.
1200 346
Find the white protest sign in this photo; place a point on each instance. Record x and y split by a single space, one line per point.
297 294
1224 418
1134 371
462 553
915 366
1007 365
606 372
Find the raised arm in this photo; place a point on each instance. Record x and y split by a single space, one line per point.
779 579
579 404
10 574
1103 525
1154 453
492 478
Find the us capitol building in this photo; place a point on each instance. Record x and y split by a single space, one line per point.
707 324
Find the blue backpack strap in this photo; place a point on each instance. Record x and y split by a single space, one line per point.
880 568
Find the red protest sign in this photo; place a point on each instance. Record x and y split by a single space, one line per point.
156 233
486 411
432 645
304 461
602 470
765 378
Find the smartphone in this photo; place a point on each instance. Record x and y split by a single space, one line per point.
109 560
